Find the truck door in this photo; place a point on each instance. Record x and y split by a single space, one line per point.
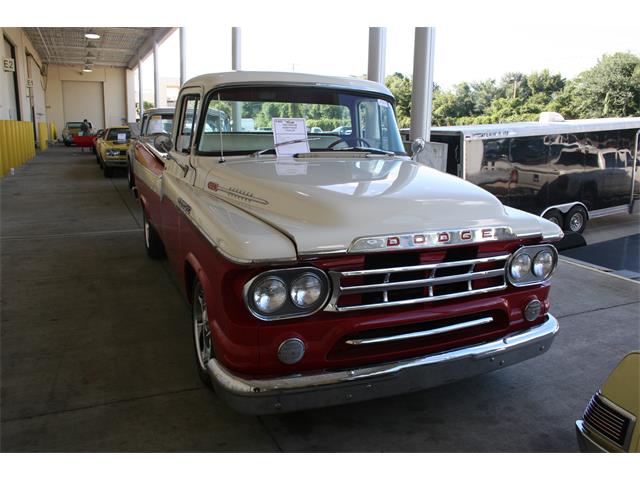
179 175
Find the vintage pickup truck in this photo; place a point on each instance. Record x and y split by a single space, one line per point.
345 272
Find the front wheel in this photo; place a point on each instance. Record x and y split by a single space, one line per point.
201 332
576 219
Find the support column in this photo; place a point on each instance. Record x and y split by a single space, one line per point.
377 54
236 48
140 100
131 96
156 77
422 93
183 56
236 64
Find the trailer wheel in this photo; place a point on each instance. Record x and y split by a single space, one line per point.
576 219
152 243
554 216
203 346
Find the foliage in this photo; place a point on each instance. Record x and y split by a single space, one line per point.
609 89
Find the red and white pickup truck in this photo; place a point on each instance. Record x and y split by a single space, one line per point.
345 272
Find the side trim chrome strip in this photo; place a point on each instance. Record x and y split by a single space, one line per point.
423 333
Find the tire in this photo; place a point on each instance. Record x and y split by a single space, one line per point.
554 216
202 345
576 219
152 243
130 178
108 171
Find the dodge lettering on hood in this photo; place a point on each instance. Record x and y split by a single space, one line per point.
323 264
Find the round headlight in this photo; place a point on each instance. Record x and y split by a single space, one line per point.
543 264
306 290
269 294
520 266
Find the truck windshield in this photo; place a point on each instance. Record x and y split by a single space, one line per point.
341 119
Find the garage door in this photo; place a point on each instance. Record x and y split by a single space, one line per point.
83 100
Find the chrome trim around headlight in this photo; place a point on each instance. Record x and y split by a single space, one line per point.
290 309
531 278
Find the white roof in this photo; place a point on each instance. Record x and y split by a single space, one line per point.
523 129
212 80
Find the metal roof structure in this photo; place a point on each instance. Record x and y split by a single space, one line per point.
116 47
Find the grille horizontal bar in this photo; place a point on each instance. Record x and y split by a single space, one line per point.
422 333
436 284
606 419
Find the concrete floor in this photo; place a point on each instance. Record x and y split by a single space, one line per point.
93 361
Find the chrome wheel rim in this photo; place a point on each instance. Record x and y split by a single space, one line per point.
146 232
576 221
201 330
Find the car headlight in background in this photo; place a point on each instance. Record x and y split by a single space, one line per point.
532 265
287 293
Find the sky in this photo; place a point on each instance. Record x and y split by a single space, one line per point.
483 40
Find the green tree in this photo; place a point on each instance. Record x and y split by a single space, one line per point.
400 87
610 89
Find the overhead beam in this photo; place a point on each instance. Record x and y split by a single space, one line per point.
158 35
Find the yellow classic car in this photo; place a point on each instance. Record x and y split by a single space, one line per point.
609 423
111 149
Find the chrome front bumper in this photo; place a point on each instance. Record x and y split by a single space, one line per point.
315 390
115 162
585 442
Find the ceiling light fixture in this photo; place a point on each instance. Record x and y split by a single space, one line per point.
87 69
91 35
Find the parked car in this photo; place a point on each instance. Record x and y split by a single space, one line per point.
610 421
98 135
112 149
70 129
343 273
154 121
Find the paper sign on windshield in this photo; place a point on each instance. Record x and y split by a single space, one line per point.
290 136
122 137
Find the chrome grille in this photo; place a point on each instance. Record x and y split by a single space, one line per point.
439 281
607 419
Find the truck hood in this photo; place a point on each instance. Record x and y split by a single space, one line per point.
327 204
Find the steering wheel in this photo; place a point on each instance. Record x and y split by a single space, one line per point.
358 139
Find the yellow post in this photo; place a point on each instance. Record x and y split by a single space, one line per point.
3 149
23 143
13 141
54 133
44 136
32 142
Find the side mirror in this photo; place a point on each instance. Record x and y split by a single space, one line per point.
417 146
162 143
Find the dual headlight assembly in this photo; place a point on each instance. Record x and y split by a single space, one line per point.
299 292
531 265
280 294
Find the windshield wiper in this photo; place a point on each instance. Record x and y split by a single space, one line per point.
288 142
367 149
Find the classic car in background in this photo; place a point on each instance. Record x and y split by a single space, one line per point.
610 421
111 149
155 121
70 129
345 272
